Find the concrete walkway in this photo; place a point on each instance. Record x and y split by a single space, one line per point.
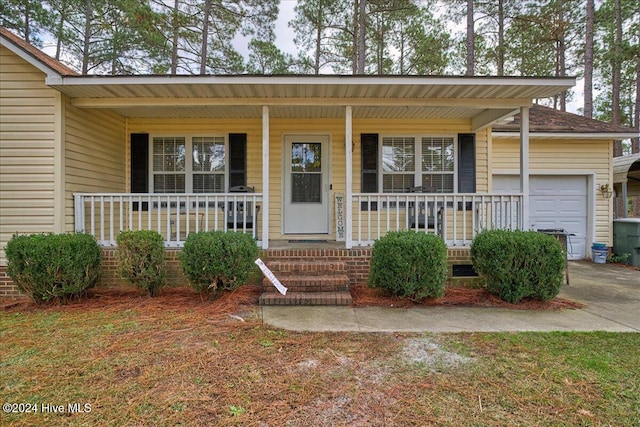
611 295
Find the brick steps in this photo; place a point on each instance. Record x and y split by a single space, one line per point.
309 282
324 283
306 298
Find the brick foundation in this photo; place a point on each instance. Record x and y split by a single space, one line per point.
7 288
110 277
356 260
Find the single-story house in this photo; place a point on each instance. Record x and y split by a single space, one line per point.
337 159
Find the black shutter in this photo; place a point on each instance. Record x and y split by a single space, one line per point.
369 182
466 163
139 162
140 166
237 159
369 142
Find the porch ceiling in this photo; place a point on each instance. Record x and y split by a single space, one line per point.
306 96
297 112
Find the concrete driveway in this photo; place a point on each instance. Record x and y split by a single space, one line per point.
608 290
610 293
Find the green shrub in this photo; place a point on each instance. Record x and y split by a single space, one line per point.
217 260
519 264
410 264
141 259
50 267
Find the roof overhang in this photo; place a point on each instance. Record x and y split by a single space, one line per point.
483 100
565 135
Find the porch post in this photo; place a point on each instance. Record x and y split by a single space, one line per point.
265 177
624 200
348 145
524 165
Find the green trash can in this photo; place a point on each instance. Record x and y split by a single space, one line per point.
626 239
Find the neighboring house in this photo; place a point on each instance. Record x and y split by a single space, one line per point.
626 181
335 158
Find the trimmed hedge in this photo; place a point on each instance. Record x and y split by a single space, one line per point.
141 259
216 260
519 264
409 264
50 267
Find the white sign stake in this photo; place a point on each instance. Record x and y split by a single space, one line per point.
272 278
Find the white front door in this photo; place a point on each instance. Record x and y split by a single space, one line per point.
306 185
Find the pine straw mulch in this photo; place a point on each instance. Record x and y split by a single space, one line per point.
113 299
364 296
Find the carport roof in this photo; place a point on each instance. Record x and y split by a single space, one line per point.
626 167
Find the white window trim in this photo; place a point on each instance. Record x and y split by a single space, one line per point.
417 179
188 166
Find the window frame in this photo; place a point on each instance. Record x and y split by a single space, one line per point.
418 173
189 172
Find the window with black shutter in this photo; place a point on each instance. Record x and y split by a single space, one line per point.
179 164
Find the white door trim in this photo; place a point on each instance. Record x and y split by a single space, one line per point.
325 139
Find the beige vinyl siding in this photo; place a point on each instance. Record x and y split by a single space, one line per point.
483 154
566 157
95 154
334 128
27 149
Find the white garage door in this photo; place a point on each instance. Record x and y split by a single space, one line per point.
556 202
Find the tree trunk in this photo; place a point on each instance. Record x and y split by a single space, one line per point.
174 37
354 54
27 24
501 49
588 60
470 40
561 48
361 36
88 12
316 64
205 37
60 29
616 77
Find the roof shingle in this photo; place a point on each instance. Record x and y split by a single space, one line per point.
547 120
36 53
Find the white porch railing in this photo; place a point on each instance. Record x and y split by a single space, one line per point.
457 218
174 216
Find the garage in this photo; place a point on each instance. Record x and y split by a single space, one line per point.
556 201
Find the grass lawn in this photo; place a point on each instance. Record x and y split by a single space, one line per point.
182 361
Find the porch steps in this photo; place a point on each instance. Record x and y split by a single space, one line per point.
308 283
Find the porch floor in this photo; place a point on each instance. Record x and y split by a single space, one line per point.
306 244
